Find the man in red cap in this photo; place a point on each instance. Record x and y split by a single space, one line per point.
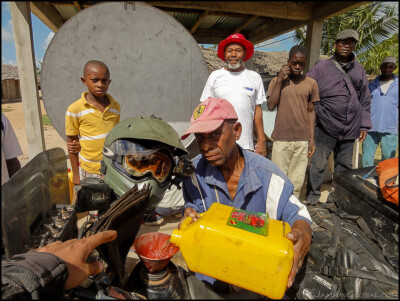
228 174
243 88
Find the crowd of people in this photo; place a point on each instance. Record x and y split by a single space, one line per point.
318 113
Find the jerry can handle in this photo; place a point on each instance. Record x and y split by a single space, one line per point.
188 221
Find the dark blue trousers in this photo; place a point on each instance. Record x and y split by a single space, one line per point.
325 144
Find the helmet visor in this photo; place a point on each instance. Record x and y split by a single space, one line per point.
139 160
123 147
157 164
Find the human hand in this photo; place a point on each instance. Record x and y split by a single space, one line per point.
284 72
261 149
311 148
75 252
74 147
300 235
363 135
76 179
189 212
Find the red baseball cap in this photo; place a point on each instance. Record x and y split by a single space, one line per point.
209 115
236 38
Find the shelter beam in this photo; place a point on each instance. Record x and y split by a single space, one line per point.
268 31
198 21
77 5
47 14
313 43
276 9
245 24
23 38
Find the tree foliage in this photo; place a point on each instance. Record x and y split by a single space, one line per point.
377 25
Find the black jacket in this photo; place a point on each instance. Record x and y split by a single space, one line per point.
33 275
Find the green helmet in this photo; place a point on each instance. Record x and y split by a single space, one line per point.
141 150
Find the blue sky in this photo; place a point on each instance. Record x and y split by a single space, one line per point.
42 36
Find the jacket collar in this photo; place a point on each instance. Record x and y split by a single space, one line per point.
248 178
346 66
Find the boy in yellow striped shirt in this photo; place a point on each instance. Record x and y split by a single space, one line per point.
88 120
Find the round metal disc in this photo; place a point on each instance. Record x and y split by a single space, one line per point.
156 66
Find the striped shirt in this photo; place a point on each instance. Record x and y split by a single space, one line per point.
92 126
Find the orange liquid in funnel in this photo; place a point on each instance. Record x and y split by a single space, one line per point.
155 250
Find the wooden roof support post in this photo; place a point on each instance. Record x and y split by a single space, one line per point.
313 42
23 38
198 21
245 24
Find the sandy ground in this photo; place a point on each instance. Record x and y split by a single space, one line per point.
15 113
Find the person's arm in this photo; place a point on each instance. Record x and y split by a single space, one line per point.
33 276
300 235
365 102
10 147
74 158
74 147
75 252
311 120
259 125
54 268
13 165
274 97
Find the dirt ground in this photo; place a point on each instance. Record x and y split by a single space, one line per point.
15 113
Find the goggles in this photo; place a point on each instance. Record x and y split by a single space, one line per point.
138 160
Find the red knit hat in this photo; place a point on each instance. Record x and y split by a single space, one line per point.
209 115
236 38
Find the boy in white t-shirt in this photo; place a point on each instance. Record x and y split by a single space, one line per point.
243 88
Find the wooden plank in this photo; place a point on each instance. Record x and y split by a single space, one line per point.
330 9
209 36
12 89
18 88
269 31
22 27
198 21
245 24
47 14
284 9
199 12
77 5
6 90
313 43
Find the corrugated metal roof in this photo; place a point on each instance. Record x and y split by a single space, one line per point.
186 20
227 23
256 23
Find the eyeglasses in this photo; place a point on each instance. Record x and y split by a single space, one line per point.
157 164
349 42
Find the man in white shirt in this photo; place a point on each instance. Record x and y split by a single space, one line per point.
243 88
10 150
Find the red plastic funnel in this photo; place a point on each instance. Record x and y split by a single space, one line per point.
155 250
